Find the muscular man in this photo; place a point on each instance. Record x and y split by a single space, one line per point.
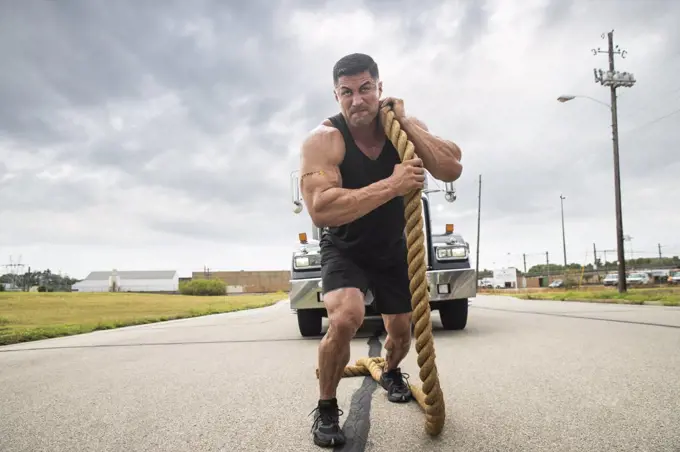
353 183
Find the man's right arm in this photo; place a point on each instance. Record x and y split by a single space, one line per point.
327 202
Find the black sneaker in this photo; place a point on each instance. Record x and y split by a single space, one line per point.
396 384
326 427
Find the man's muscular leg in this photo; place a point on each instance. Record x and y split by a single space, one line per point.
345 315
398 342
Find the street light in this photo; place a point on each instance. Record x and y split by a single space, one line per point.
613 79
621 267
567 97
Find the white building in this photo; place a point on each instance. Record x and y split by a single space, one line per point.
129 281
506 278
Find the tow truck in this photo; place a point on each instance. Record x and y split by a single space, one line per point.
451 279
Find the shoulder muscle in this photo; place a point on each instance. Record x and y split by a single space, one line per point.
321 154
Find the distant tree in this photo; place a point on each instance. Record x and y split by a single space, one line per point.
51 281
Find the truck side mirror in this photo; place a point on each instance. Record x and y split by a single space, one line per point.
450 192
295 191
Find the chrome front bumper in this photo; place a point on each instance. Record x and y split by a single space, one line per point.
444 285
452 284
305 293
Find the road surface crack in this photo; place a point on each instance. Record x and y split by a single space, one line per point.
358 422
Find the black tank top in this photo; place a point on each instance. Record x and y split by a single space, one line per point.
380 233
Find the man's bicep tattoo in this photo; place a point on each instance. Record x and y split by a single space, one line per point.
312 173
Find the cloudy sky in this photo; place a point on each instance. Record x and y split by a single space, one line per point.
162 134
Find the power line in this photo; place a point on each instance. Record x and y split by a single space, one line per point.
646 106
654 121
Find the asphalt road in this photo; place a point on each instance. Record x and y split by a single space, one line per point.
524 376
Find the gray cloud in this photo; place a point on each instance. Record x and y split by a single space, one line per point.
31 191
93 61
181 121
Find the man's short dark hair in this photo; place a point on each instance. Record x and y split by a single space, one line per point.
354 64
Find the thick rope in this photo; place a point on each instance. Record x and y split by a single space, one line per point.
430 396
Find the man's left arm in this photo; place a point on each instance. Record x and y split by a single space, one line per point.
440 157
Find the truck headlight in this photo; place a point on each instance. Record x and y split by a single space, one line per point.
307 261
445 253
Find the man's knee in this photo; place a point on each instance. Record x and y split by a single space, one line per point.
345 311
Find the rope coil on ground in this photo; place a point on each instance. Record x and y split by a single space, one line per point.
430 397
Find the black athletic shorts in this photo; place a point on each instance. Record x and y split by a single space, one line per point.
387 277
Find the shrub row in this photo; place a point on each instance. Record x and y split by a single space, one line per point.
203 287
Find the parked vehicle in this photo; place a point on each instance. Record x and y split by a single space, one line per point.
638 278
674 277
557 283
488 283
612 279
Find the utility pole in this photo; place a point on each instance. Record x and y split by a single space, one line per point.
547 266
564 242
605 256
613 80
524 256
595 266
479 212
660 256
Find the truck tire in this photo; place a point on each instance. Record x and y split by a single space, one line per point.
454 314
309 322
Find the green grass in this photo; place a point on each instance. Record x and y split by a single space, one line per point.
667 296
28 316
